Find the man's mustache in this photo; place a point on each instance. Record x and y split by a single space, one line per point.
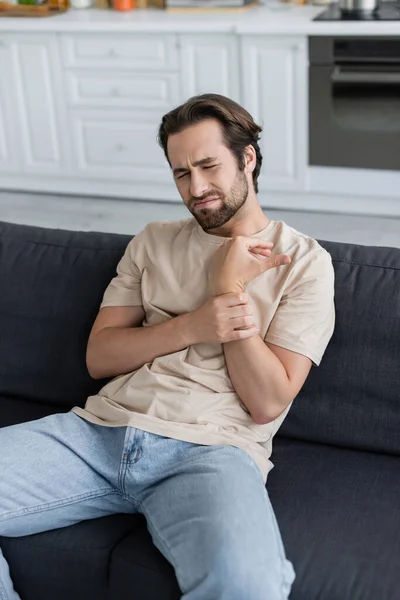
205 196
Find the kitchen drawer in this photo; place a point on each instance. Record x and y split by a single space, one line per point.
114 146
151 91
133 51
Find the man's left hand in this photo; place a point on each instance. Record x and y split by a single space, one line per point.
240 260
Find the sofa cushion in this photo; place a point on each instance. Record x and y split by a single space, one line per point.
339 515
52 283
17 410
136 564
352 399
72 563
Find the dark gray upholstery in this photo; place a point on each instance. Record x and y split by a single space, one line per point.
335 487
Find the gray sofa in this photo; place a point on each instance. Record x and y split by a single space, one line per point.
335 487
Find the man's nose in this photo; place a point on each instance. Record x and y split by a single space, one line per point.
198 185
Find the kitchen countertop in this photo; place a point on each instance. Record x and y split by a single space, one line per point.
281 20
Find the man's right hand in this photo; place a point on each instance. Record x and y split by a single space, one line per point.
223 319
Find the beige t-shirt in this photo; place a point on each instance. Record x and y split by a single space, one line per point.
188 395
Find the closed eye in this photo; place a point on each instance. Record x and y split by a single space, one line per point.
204 167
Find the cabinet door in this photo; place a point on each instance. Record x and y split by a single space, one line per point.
274 73
119 146
134 90
38 110
8 115
138 51
210 64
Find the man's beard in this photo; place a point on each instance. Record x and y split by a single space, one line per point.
211 218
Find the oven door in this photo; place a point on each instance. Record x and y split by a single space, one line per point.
354 115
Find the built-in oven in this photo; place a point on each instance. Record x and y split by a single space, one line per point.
354 102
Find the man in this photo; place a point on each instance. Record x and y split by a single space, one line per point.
209 330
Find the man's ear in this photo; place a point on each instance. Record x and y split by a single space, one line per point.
250 159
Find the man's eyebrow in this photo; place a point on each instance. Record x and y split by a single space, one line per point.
198 163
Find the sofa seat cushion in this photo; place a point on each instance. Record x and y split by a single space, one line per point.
72 563
137 565
339 515
19 410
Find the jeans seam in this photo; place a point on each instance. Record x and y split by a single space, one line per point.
51 505
281 549
3 595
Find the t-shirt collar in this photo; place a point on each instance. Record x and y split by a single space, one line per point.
219 239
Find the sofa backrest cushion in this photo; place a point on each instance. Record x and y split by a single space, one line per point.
52 283
51 286
353 398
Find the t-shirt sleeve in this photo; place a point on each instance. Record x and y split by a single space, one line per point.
305 318
125 288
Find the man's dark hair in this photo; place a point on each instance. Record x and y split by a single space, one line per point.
238 127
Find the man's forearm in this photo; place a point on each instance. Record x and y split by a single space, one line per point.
259 378
119 350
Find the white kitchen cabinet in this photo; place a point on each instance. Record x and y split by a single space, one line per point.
35 120
274 80
8 137
130 90
118 87
210 63
138 51
119 146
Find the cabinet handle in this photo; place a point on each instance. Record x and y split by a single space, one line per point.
115 93
365 76
112 53
120 147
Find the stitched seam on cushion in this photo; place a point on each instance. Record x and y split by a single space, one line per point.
95 248
138 564
20 542
121 558
57 504
352 262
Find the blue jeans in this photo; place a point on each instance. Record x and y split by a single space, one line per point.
206 507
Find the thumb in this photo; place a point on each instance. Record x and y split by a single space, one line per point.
274 261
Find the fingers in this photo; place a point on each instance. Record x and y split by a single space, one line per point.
237 299
242 334
258 246
250 242
274 261
243 322
281 259
262 249
243 310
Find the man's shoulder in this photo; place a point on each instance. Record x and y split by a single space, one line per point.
309 258
290 239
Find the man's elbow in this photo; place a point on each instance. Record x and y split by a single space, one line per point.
92 364
261 418
93 372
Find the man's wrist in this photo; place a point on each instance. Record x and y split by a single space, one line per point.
184 324
226 289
